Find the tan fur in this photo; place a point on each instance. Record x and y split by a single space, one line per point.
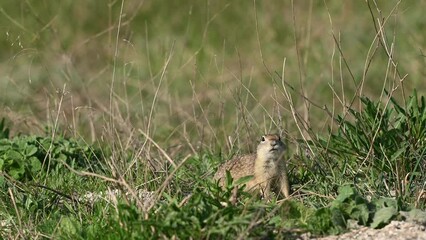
267 167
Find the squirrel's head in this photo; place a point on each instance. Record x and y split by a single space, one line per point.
271 146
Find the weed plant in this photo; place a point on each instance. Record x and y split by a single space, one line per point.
382 150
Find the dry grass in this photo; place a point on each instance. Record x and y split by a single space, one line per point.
200 76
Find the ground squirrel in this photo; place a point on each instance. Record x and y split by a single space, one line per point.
267 167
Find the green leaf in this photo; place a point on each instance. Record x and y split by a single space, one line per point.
326 220
345 192
244 180
383 216
338 219
386 202
398 153
13 155
35 165
30 150
17 172
61 157
68 226
415 215
229 179
5 144
360 213
276 220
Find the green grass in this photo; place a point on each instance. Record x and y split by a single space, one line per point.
155 100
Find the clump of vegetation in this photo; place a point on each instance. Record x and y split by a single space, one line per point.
25 157
382 151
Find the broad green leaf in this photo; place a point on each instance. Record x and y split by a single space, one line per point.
21 143
338 219
5 144
35 164
386 202
383 216
415 215
30 150
345 192
360 213
17 172
13 155
61 157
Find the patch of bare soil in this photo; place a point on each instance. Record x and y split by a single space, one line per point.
394 230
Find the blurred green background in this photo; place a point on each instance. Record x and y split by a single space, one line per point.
201 73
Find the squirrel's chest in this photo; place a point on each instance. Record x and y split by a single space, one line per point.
267 166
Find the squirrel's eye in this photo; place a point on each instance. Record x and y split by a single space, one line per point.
262 139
